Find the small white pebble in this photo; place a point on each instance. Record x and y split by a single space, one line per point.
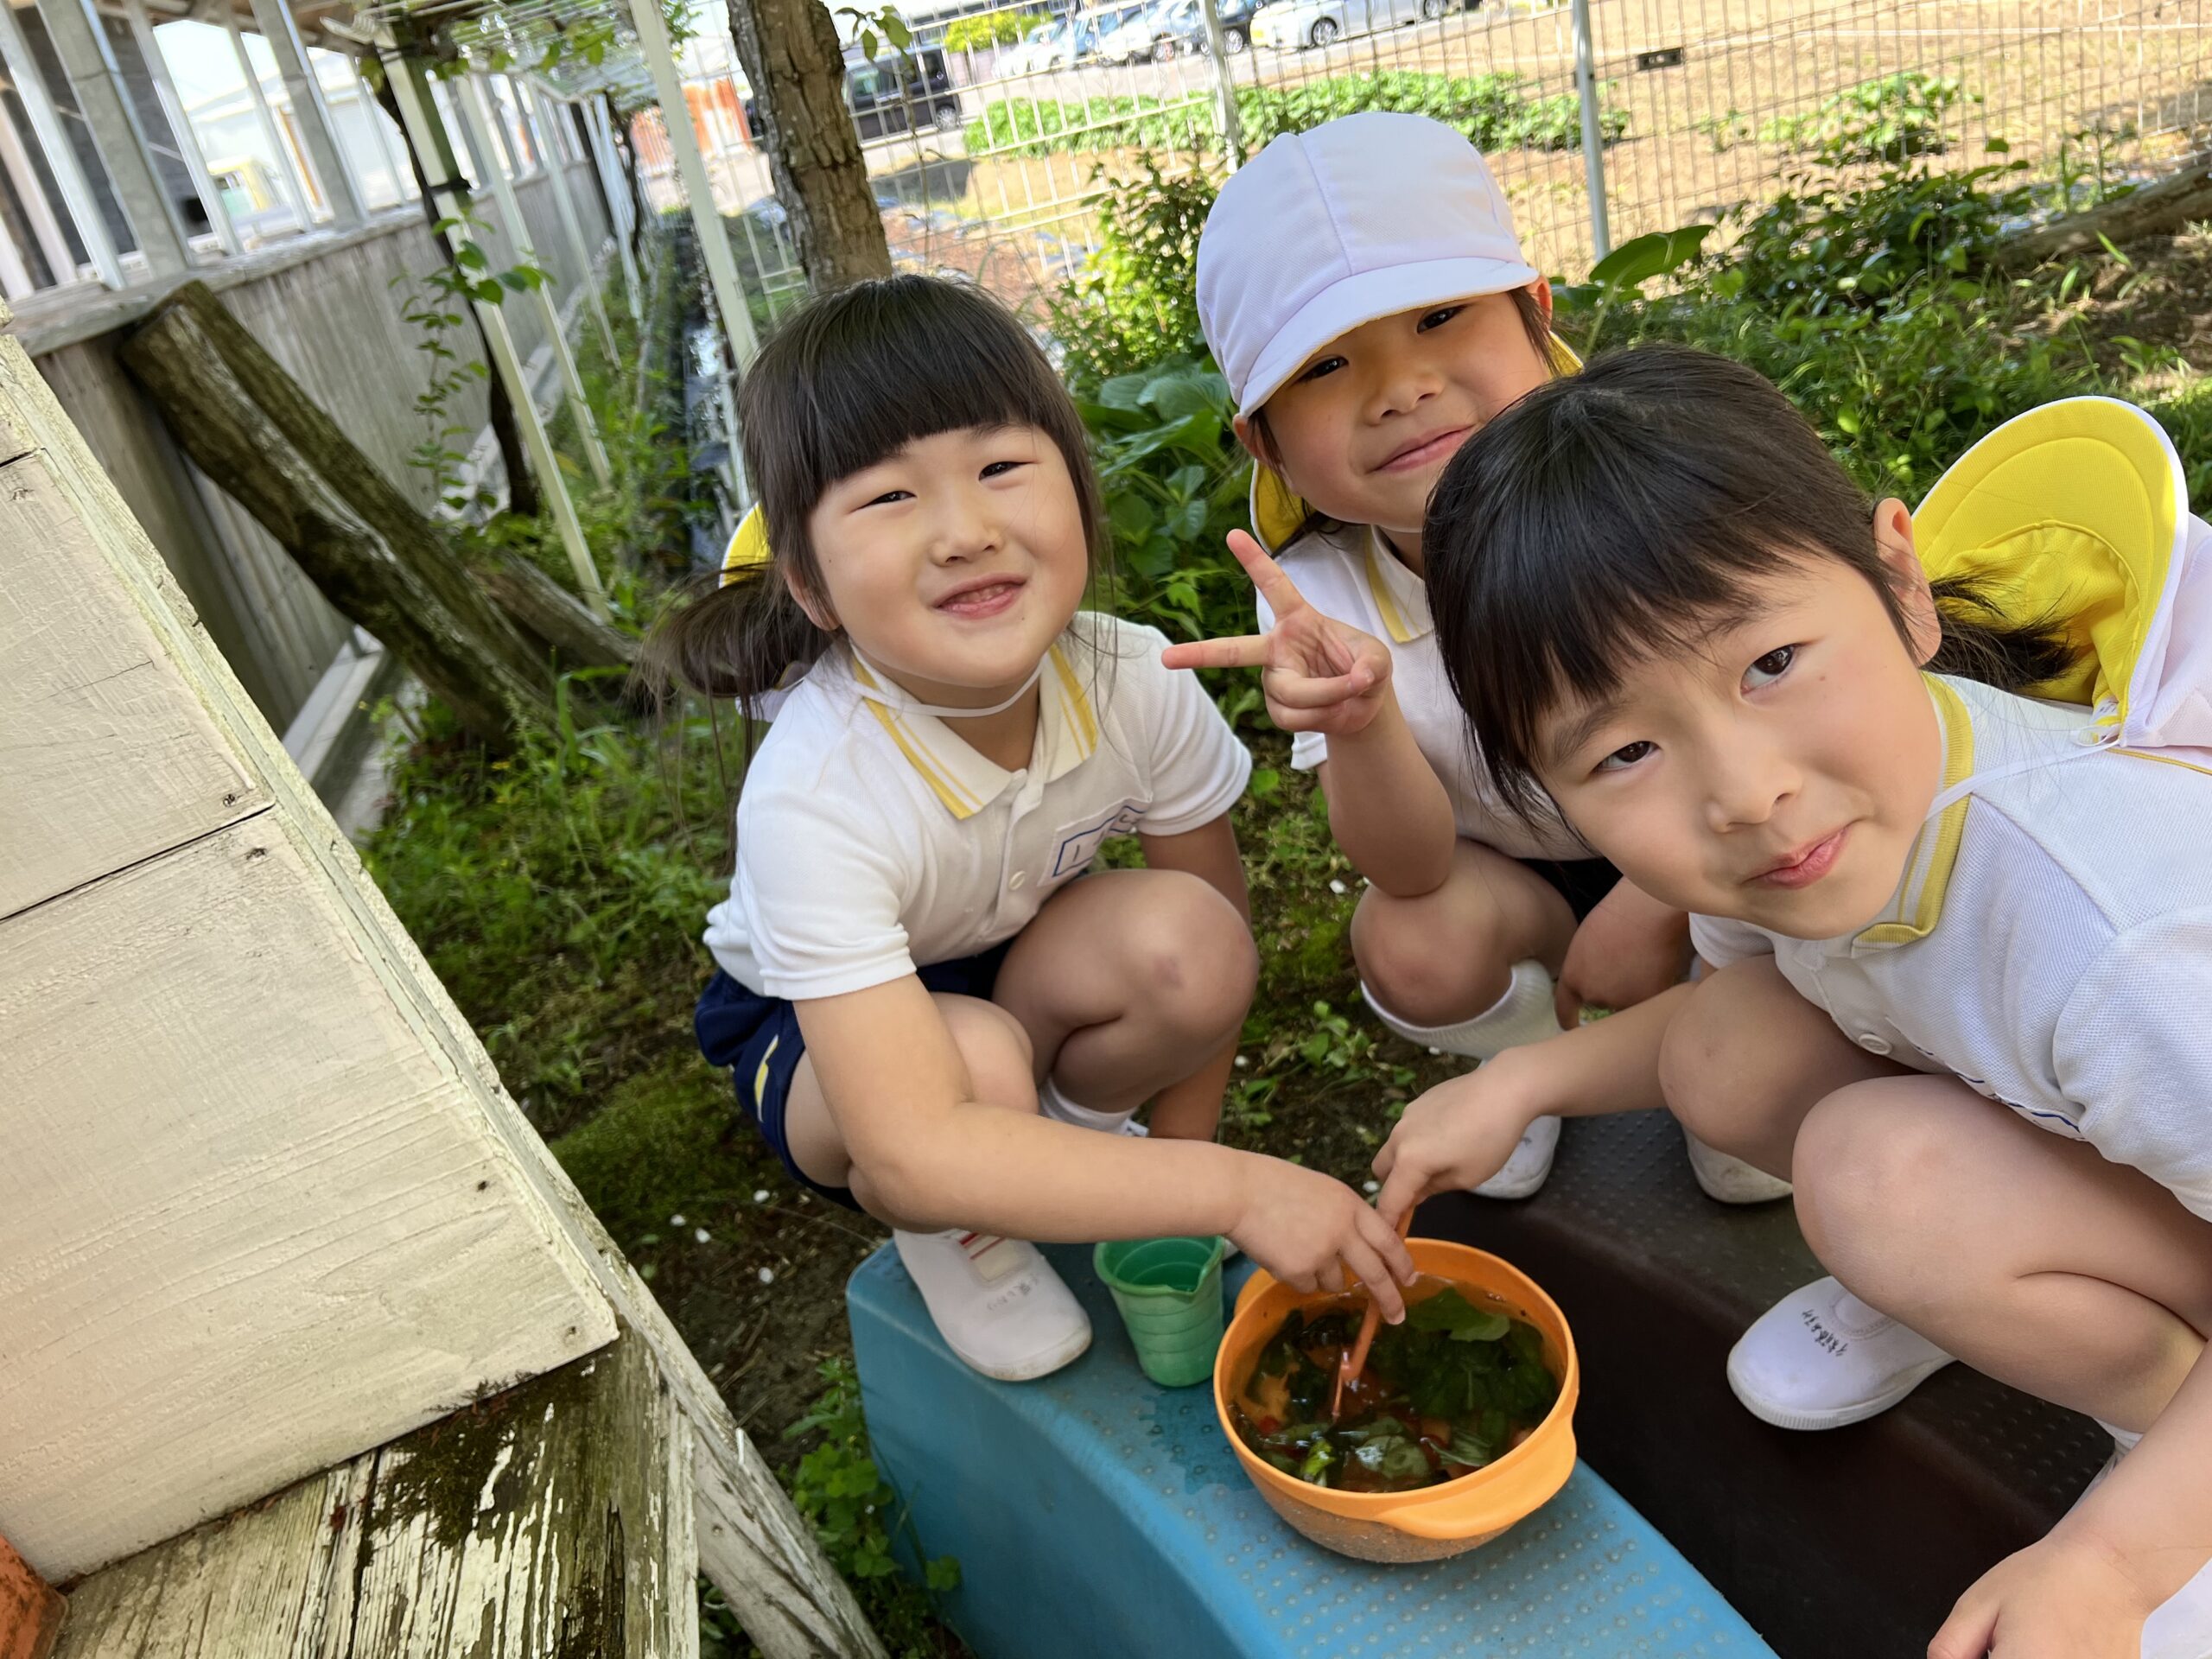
760 1195
676 1221
1337 888
1370 1187
1242 1060
767 1276
1436 1050
700 1233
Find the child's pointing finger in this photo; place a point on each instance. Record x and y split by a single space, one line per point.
1249 650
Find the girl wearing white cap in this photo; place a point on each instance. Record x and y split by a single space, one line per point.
1935 786
930 1011
1363 292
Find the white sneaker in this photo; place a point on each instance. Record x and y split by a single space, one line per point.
1820 1358
1529 1167
996 1301
1525 1013
1730 1180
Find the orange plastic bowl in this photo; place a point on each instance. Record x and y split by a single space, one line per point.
1439 1520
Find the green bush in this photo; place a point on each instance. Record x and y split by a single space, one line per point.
991 28
1885 120
1135 301
1823 243
1491 109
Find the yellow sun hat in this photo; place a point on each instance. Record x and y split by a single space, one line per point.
2077 512
748 546
1278 511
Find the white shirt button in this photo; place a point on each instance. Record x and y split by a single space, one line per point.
1873 1044
1020 878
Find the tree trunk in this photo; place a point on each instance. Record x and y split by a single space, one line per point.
249 426
553 619
790 54
2154 210
500 410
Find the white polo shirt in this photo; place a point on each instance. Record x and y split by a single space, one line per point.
2051 942
871 840
1348 573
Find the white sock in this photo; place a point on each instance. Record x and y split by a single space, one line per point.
2123 1440
1524 1014
1057 1106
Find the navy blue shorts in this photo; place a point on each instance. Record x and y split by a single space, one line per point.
1583 882
758 1038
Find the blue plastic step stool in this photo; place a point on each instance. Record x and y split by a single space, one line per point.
1095 1515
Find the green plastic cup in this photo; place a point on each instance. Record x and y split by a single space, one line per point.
1169 1292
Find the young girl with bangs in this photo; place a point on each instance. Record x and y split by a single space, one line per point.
1363 292
930 1010
1933 787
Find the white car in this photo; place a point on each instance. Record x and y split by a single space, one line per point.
1288 24
1049 46
1126 37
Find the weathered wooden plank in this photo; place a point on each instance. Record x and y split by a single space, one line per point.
248 1224
550 1521
107 756
536 1524
769 1544
261 1584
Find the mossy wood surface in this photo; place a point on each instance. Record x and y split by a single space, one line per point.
552 1522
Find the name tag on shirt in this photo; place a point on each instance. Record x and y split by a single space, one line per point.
1078 843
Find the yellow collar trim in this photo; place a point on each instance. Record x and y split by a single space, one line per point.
965 781
1926 906
1400 627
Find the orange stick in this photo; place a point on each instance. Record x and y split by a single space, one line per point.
1355 1359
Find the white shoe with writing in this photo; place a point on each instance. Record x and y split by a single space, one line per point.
996 1301
1820 1358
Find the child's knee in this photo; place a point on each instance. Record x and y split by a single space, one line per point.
1195 955
995 1049
1867 1167
1423 978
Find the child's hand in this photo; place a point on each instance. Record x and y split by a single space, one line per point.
2057 1599
1457 1135
1316 674
1307 1228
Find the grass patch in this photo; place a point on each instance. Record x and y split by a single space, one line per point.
669 1142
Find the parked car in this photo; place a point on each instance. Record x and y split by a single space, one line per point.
1127 35
897 92
1181 30
1060 44
1291 23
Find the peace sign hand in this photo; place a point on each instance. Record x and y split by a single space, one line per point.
1316 674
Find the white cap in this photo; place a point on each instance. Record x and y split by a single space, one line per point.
1361 217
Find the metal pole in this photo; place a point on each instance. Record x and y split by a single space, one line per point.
614 187
341 191
475 109
556 173
418 116
692 168
287 181
46 125
1594 137
187 141
1224 86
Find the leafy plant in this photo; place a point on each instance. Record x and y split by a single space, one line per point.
1886 119
989 29
857 1516
1622 274
1134 303
1825 244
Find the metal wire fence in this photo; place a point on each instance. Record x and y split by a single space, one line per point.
995 160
